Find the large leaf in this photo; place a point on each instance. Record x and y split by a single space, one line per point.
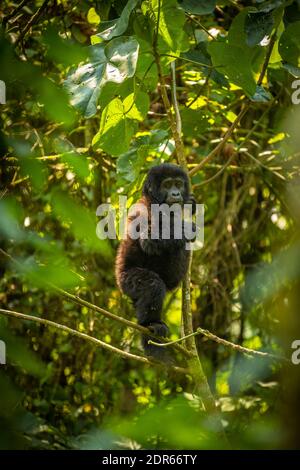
289 44
257 26
111 29
198 7
114 62
116 129
235 63
118 122
136 106
172 37
194 122
202 57
130 163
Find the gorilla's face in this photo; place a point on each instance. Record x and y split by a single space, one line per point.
166 183
172 190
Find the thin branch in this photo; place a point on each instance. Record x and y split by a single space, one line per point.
32 21
237 347
112 316
224 342
243 111
106 313
221 144
91 339
267 58
174 97
14 12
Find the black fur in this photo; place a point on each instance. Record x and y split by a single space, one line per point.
146 269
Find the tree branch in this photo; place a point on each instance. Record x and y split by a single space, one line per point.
104 312
194 362
224 342
243 111
33 20
91 339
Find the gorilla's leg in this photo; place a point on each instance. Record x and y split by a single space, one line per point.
147 291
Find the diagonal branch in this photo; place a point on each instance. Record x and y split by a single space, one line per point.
224 342
91 339
104 312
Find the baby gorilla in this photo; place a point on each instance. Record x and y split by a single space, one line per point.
147 266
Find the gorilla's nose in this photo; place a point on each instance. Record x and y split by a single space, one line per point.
175 194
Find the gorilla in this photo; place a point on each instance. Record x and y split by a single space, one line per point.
148 266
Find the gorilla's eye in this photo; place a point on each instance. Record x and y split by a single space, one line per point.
167 184
179 184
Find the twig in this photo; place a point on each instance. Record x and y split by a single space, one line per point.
98 342
221 144
174 97
33 20
237 347
224 342
106 313
246 107
14 12
267 58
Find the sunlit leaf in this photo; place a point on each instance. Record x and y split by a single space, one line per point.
116 129
111 29
136 106
113 62
173 38
93 17
239 72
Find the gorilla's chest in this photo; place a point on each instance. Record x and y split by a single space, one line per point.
171 267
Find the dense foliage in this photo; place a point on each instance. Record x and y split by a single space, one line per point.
85 117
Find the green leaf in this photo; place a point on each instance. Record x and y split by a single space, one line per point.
172 37
53 270
237 32
257 26
289 44
116 130
146 70
111 29
261 95
114 62
55 101
198 7
194 123
201 56
93 17
235 63
270 5
77 162
237 37
81 221
113 90
63 51
11 216
30 166
136 106
130 163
